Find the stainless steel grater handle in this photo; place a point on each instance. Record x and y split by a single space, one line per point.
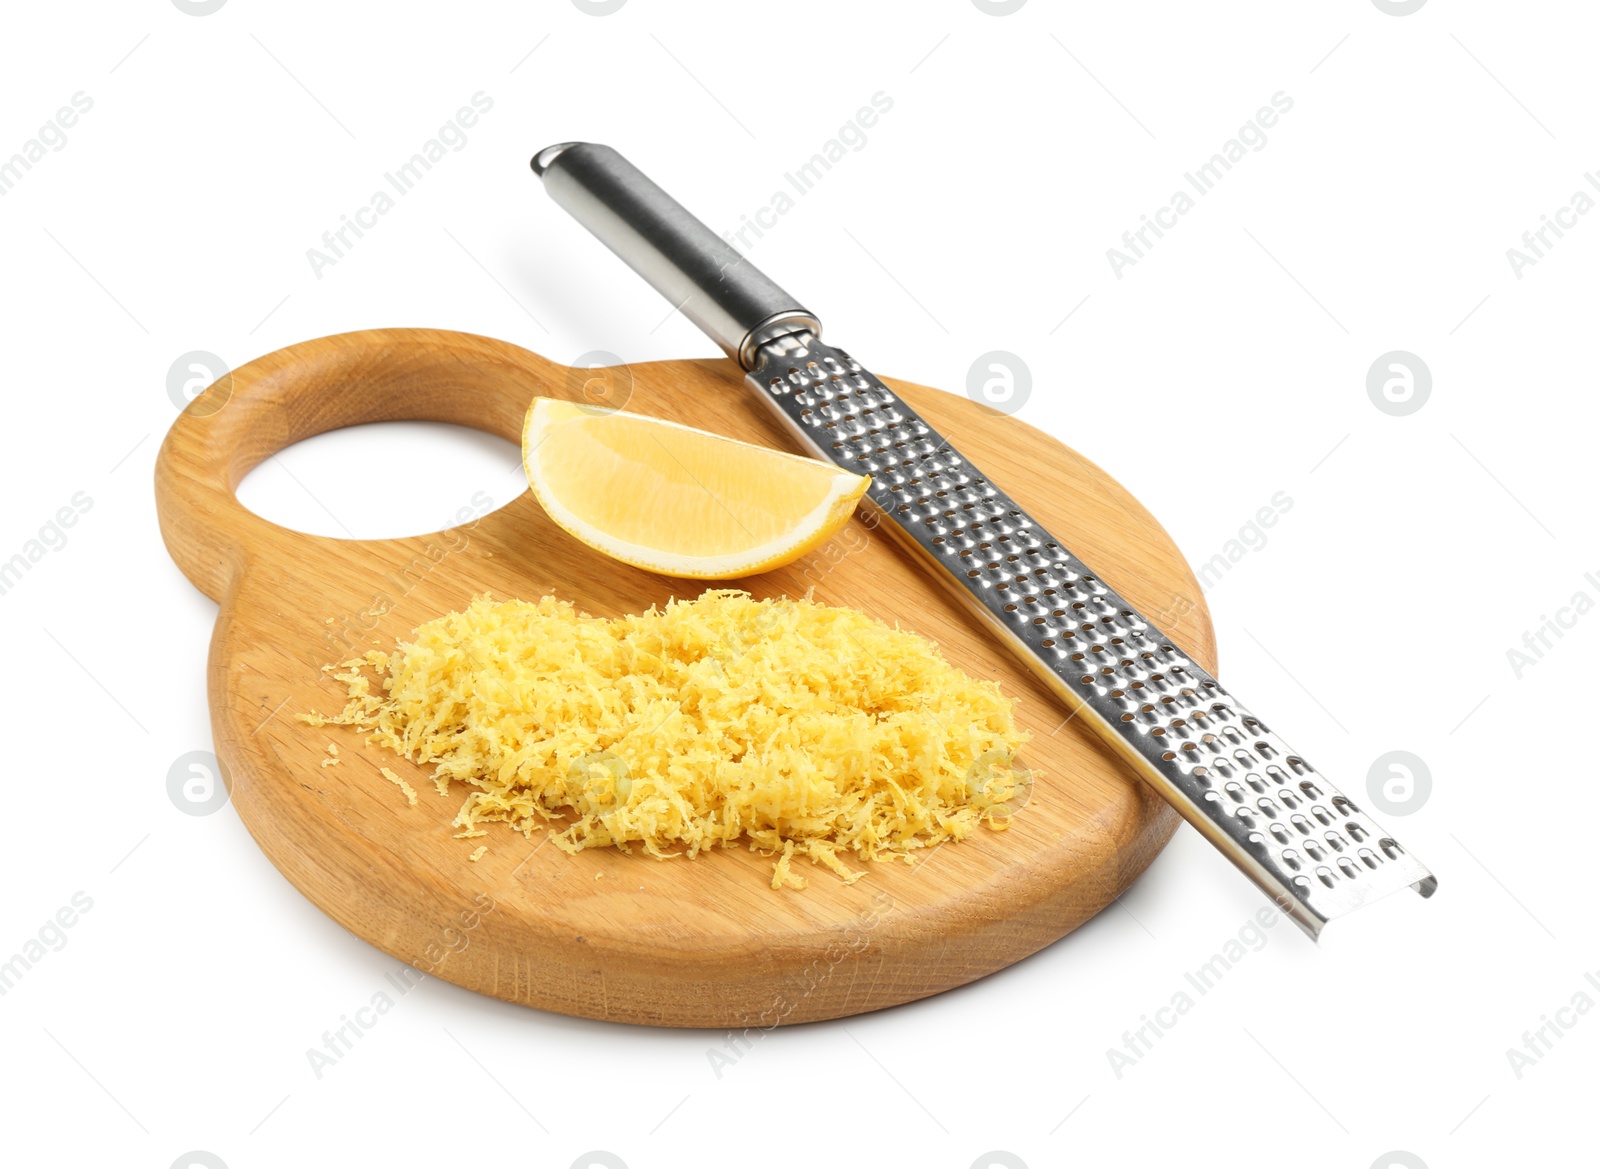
1308 846
702 274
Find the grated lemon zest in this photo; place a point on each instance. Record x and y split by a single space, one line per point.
410 792
801 729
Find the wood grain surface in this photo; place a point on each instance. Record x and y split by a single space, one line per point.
702 943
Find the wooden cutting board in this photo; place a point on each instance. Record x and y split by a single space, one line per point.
702 943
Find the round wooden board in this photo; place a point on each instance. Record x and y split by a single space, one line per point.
702 943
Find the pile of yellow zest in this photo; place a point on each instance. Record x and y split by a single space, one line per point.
802 729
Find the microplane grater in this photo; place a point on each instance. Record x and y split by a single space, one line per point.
1308 846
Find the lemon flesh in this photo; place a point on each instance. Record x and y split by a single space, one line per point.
680 501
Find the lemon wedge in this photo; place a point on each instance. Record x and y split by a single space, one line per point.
676 500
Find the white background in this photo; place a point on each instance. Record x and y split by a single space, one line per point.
1228 364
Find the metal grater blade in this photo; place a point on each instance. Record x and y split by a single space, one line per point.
1307 845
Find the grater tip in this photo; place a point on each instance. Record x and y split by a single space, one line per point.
541 161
